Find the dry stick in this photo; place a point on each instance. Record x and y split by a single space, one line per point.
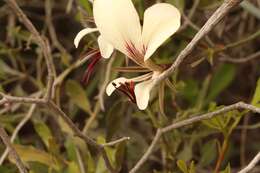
78 133
51 28
190 121
17 129
251 165
210 24
241 60
5 138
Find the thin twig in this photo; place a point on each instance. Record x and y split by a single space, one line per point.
109 144
5 138
51 28
242 60
187 122
78 133
251 165
17 129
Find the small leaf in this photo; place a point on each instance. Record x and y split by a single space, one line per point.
208 153
113 118
227 170
31 154
44 132
77 95
180 4
72 168
120 154
192 167
256 97
182 166
221 80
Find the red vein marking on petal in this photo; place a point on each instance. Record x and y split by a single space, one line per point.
134 53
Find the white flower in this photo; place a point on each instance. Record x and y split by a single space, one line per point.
119 26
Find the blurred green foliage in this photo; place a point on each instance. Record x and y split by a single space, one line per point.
47 145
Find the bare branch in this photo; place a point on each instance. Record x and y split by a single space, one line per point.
187 122
5 138
109 144
241 60
18 128
251 165
78 133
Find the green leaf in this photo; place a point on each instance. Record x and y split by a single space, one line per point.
31 154
182 166
192 167
87 6
72 168
44 132
186 153
180 4
208 153
77 95
120 154
113 118
221 80
190 90
256 97
227 170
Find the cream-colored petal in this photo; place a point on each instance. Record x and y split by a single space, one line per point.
82 33
118 23
106 49
160 22
142 93
111 88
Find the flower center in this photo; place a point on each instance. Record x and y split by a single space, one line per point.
90 68
127 88
135 54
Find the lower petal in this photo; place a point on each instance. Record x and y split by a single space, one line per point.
142 93
111 88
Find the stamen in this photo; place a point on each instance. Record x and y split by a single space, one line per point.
127 88
134 53
90 68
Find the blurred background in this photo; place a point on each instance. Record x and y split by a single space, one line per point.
222 70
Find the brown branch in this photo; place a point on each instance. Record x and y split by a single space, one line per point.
5 138
187 122
251 165
241 60
51 28
208 26
78 133
19 127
